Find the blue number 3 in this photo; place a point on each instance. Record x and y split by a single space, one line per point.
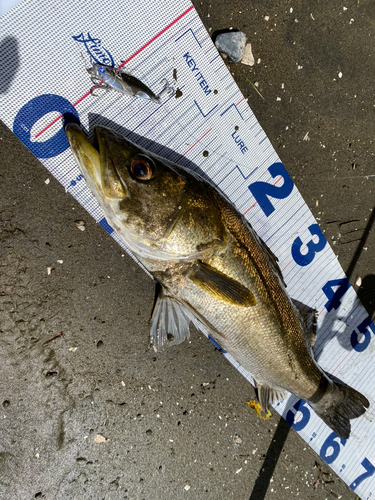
313 248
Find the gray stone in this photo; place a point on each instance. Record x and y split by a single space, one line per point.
232 44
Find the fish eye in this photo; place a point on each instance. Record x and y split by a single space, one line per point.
142 168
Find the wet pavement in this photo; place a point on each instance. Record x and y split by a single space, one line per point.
87 411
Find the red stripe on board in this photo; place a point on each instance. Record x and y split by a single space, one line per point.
121 65
343 359
239 102
253 205
156 36
195 143
282 270
60 116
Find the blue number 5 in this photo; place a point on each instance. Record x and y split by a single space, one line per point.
290 416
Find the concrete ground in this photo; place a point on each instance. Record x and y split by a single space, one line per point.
86 410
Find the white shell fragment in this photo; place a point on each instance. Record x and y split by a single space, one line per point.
81 225
100 439
248 57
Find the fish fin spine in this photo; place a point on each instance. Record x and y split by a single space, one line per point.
169 322
267 395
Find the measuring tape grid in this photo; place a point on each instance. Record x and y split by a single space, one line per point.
139 50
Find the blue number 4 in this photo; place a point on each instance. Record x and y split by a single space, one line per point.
370 469
334 297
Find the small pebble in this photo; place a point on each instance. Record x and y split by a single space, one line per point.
187 487
47 181
231 44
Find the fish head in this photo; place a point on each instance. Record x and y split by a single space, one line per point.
142 195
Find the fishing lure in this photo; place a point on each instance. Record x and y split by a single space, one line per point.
107 77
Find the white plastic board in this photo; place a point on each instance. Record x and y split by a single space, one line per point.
158 40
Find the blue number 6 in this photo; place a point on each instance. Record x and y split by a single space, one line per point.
313 248
328 443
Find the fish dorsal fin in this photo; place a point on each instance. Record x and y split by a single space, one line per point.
309 316
274 260
267 395
169 323
220 286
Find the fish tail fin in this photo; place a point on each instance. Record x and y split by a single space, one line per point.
347 403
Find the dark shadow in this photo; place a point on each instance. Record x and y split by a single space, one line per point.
9 62
272 456
216 33
361 244
366 294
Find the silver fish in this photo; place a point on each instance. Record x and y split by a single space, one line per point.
212 266
107 77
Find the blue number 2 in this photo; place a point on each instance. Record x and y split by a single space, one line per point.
262 190
370 469
313 248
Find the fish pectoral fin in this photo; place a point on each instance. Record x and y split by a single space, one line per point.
169 323
220 286
267 395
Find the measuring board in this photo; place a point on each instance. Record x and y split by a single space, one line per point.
209 127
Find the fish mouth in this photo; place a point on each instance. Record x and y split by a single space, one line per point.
98 163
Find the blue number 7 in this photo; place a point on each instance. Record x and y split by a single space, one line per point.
370 469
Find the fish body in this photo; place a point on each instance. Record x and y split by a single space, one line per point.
212 266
